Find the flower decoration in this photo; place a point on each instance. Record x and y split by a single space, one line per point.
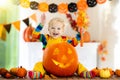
43 7
82 5
91 3
63 8
53 8
72 7
34 5
82 19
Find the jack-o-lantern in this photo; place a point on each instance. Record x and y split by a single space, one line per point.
60 59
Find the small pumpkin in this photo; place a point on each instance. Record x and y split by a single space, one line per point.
60 59
82 5
3 71
97 71
117 72
86 36
14 71
105 73
21 72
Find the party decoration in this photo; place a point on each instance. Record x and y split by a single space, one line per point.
82 5
63 8
91 3
43 7
53 8
34 5
105 73
72 7
25 3
26 21
39 68
17 25
101 1
21 72
7 27
33 17
60 59
27 35
2 33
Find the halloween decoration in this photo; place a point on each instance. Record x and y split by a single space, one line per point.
39 68
60 59
34 5
63 8
72 7
53 8
82 5
34 75
3 71
43 7
87 74
27 35
101 1
21 72
25 3
91 3
105 73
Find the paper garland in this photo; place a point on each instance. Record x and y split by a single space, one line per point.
72 7
7 27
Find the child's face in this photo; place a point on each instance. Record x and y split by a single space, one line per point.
56 29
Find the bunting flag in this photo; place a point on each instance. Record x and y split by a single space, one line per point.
17 25
33 17
26 21
7 27
2 33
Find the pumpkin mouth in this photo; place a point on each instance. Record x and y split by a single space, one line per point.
62 65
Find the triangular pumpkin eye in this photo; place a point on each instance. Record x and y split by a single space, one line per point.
56 51
69 51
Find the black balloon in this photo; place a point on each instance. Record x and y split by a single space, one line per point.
72 7
53 8
91 3
34 5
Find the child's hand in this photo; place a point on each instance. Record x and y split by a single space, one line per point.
43 18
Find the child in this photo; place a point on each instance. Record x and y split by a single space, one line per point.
56 28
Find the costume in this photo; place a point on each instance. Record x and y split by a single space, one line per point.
48 40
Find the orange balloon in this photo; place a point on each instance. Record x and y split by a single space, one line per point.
63 8
101 1
82 5
43 7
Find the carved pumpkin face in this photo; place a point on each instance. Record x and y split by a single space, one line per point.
60 59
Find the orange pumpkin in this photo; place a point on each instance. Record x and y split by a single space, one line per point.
27 35
86 36
63 8
117 72
43 7
60 59
96 71
21 72
82 5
